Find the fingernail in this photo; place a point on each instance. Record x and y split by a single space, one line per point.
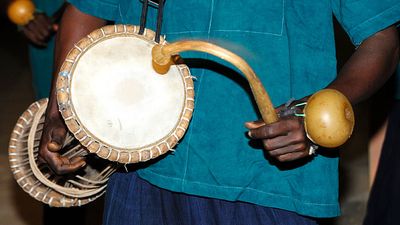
53 146
247 125
249 134
83 165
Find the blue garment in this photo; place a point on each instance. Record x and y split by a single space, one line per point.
41 59
149 205
290 45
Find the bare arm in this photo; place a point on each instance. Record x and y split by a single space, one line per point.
365 72
370 66
74 26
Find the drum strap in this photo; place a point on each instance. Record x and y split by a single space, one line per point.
160 5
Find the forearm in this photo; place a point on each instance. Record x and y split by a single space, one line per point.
74 26
370 66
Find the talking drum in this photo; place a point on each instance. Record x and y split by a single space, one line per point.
38 180
113 101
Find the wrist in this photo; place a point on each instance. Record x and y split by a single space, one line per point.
52 108
293 107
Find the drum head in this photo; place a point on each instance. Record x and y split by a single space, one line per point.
116 104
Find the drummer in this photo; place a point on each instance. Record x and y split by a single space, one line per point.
217 175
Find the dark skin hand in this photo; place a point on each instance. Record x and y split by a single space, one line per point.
365 72
54 131
39 30
285 139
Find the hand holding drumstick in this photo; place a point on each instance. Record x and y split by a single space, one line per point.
285 140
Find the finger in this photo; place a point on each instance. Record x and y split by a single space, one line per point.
32 37
43 23
72 161
70 167
63 165
42 26
299 147
273 130
292 137
32 27
280 128
254 124
53 146
28 34
281 141
292 156
40 29
77 159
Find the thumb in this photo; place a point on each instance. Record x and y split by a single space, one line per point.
254 124
57 139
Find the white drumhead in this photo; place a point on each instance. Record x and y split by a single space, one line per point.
119 98
113 101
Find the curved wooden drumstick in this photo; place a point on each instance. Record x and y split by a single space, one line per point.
162 60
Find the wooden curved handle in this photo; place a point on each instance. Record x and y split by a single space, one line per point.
162 60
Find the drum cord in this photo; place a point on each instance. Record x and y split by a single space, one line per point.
143 17
159 20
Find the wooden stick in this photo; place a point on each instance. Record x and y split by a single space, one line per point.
162 60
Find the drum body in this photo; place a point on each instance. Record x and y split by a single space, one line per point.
38 180
113 101
114 105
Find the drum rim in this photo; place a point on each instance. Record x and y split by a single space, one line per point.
94 144
27 179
